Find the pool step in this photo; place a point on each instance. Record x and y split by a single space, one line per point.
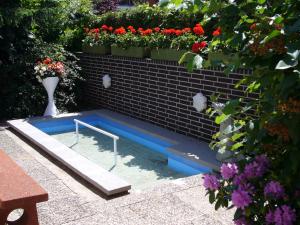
105 181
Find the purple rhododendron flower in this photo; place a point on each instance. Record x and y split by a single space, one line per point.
240 221
288 215
274 189
246 187
229 170
257 168
239 179
262 160
240 198
211 182
270 217
283 215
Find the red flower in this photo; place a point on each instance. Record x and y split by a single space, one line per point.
197 47
47 61
104 27
59 68
156 29
95 30
131 29
178 32
140 29
146 32
217 32
253 26
120 30
186 30
110 29
198 29
168 31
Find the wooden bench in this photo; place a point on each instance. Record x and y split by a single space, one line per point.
18 191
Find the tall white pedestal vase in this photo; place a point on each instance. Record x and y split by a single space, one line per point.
50 84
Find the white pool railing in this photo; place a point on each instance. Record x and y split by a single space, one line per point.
114 137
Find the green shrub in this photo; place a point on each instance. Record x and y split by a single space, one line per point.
262 180
28 31
148 17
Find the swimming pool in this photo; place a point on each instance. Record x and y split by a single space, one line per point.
143 160
147 154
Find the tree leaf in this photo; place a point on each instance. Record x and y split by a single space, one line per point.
218 204
286 63
212 197
221 118
273 34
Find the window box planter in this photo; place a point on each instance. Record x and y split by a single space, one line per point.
167 54
219 56
99 50
137 52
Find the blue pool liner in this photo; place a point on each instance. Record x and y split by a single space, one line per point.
175 162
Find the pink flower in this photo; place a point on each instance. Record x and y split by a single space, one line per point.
211 182
229 170
241 199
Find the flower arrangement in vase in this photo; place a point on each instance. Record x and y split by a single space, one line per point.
48 73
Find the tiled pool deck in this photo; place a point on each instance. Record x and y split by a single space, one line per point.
74 202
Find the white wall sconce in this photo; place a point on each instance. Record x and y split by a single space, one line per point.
199 102
106 81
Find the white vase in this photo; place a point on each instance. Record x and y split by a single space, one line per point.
50 84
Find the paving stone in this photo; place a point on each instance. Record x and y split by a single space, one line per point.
207 220
40 174
168 209
64 210
56 189
196 197
178 202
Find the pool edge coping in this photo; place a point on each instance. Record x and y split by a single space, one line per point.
77 163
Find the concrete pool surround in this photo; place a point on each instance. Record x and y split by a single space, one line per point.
184 153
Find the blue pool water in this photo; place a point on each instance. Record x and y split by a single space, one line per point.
152 159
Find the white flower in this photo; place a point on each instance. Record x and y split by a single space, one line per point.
44 68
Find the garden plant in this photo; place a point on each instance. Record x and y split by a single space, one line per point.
262 181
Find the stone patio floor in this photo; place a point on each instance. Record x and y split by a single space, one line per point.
72 201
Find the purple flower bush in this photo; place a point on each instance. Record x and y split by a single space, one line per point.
211 182
242 184
229 170
274 189
263 182
283 215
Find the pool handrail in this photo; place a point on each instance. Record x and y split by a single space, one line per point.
114 137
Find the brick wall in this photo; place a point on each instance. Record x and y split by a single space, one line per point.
157 91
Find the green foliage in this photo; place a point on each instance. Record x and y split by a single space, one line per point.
130 40
102 38
184 41
264 36
149 17
27 29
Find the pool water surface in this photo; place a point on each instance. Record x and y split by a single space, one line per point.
137 164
